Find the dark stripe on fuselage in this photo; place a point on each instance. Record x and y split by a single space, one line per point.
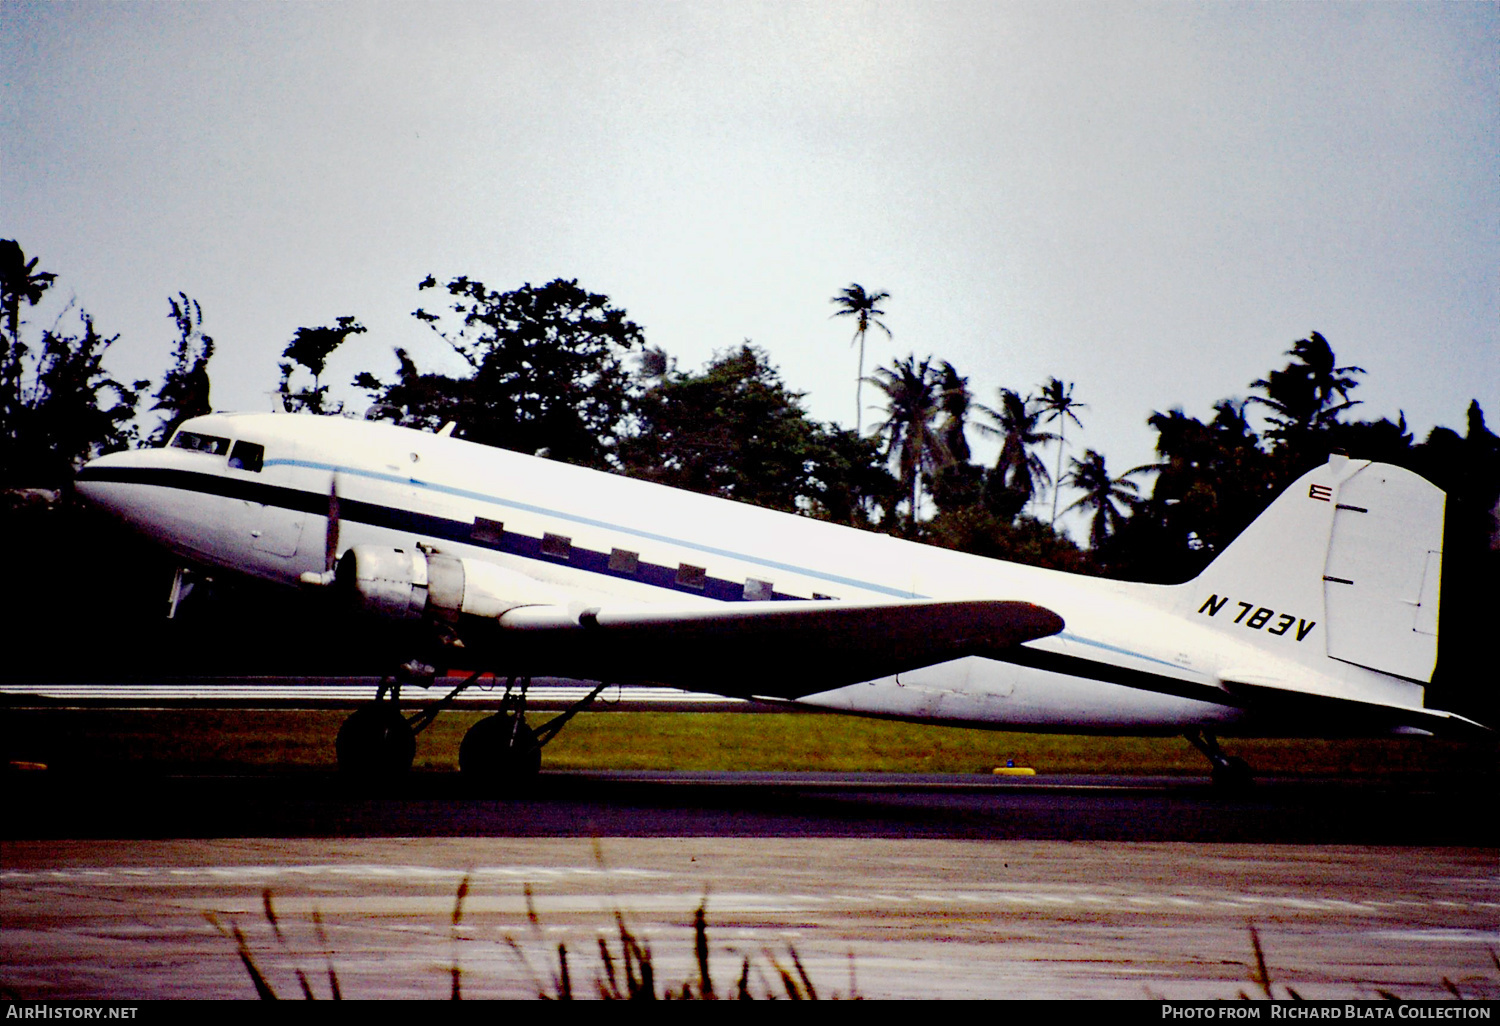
1089 669
211 484
428 526
422 524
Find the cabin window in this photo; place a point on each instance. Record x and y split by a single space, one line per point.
487 532
695 577
194 442
247 456
622 561
757 591
557 545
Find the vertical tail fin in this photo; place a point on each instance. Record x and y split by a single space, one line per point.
1346 563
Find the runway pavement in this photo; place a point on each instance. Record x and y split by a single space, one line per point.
919 886
1417 811
880 918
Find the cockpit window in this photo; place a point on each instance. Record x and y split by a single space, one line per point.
191 440
247 456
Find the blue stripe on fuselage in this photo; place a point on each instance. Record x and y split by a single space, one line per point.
606 525
591 522
432 526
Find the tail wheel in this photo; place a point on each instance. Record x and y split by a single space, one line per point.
376 741
500 749
1230 773
1233 774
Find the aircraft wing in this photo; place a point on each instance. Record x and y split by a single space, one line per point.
772 649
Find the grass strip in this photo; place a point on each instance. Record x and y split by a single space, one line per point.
282 740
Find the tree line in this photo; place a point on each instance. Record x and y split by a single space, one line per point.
562 372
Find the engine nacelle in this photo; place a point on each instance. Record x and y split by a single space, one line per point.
410 584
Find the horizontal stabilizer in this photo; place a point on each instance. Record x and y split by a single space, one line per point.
1338 715
776 649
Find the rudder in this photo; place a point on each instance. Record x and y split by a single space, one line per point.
1346 563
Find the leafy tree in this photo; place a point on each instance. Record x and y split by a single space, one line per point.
864 307
310 348
20 282
653 364
1212 480
1103 494
1011 485
58 406
1058 404
546 370
425 401
736 431
1467 467
849 477
981 531
184 391
70 411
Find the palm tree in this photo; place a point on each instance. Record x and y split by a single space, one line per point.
911 438
1302 393
1058 404
864 307
956 482
18 284
1017 425
955 399
1102 494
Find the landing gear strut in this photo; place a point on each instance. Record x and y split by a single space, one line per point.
1229 773
503 750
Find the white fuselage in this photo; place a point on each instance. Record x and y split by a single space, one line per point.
597 534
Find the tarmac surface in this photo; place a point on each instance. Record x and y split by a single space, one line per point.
882 886
1415 811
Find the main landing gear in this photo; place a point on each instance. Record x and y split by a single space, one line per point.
501 751
1229 772
376 741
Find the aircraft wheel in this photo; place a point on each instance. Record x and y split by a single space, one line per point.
497 751
1233 774
376 741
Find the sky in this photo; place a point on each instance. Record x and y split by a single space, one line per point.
1150 201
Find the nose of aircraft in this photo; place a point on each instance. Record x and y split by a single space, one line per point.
100 481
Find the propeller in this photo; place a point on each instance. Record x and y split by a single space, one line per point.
330 539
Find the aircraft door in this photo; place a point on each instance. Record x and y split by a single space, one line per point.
275 529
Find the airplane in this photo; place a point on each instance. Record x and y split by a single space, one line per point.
1320 619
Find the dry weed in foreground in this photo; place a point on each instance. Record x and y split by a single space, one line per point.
625 972
1260 975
